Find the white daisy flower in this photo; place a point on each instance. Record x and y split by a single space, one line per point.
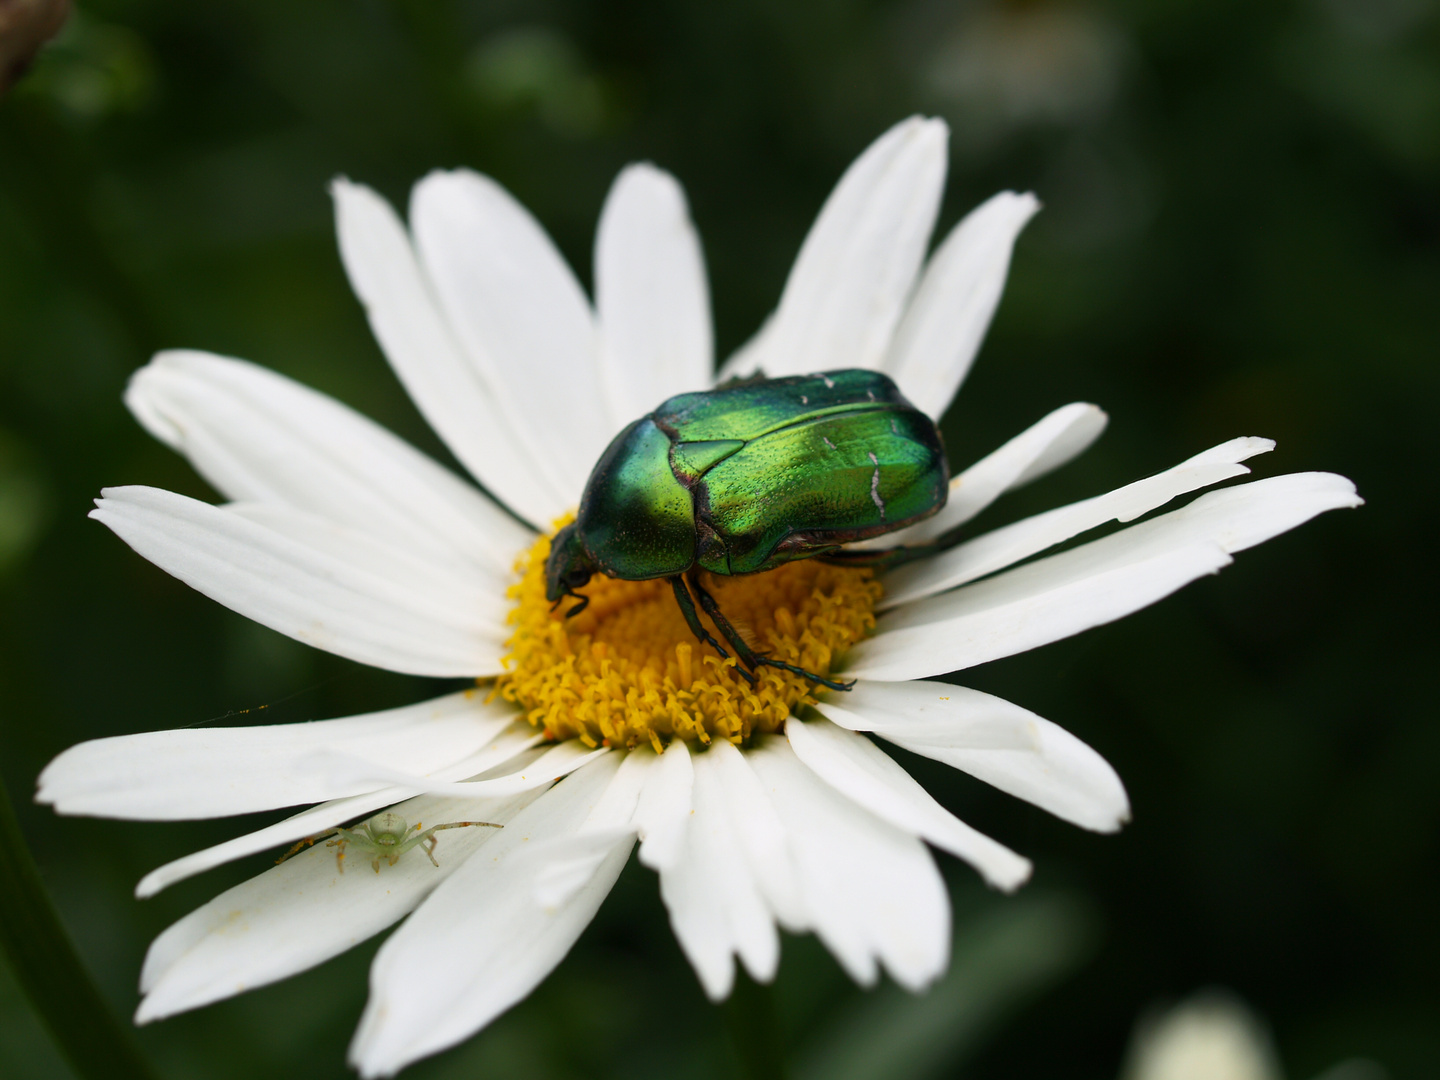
759 808
1211 1036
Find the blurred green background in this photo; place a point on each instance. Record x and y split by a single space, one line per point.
1241 237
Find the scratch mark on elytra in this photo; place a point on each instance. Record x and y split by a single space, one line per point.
875 485
827 442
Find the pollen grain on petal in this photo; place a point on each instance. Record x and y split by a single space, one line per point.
627 671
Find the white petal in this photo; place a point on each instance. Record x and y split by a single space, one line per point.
1096 583
747 359
616 808
990 738
304 911
665 806
1015 615
1003 547
716 907
479 943
557 761
520 315
565 865
650 294
937 340
871 890
757 828
1045 449
260 437
480 589
856 268
1041 447
448 388
335 604
570 862
859 770
212 772
501 754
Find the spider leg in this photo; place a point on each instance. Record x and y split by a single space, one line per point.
429 835
420 840
463 824
304 842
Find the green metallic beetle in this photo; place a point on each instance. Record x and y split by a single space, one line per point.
747 477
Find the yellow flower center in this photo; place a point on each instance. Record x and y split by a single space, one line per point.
627 670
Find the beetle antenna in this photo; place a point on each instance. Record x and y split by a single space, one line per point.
581 606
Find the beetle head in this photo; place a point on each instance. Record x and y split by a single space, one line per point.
568 568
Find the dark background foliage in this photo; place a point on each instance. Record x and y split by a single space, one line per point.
1241 236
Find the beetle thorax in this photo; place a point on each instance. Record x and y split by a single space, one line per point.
628 671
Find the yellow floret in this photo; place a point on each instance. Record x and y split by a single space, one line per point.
628 671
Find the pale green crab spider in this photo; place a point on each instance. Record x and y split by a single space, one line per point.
385 836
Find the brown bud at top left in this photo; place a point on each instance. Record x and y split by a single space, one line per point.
25 25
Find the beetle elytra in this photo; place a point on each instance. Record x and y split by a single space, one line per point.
747 477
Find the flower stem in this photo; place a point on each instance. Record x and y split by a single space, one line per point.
51 972
750 1016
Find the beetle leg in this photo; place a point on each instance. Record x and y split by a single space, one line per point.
692 619
748 656
572 612
889 558
882 558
